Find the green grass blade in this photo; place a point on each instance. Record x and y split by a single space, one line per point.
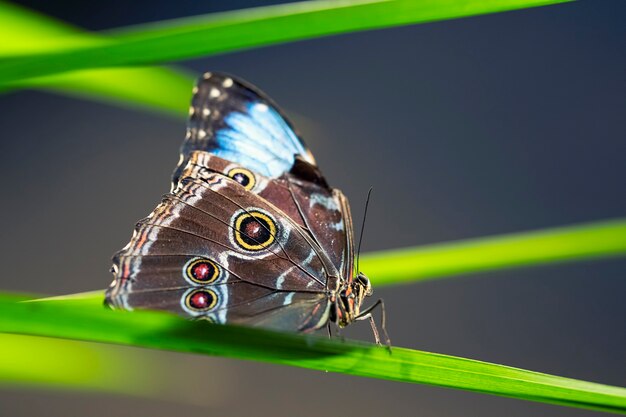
25 32
224 32
158 89
562 244
29 361
85 318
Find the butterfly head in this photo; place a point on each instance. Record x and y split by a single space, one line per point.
362 285
351 298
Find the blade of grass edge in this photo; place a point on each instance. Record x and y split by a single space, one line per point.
84 318
24 31
230 31
561 244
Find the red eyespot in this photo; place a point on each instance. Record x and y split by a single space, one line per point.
201 300
202 271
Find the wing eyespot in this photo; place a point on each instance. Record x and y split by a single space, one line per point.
254 230
202 271
244 177
201 300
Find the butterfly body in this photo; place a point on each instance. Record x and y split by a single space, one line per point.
251 233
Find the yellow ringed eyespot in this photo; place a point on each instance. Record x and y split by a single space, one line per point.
202 271
201 300
243 176
254 230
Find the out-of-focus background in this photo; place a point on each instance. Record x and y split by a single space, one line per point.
464 128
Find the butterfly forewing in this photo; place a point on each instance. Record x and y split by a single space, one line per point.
237 122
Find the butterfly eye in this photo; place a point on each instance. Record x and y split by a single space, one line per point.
201 300
243 177
254 230
202 271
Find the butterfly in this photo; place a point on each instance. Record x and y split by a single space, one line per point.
250 232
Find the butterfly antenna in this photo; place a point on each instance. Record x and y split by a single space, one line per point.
358 252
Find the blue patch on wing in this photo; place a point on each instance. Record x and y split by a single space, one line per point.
259 140
237 122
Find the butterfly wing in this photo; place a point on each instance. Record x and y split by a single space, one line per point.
235 121
212 249
237 126
322 211
326 215
240 303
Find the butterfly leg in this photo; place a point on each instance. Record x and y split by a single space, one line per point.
339 334
373 324
367 315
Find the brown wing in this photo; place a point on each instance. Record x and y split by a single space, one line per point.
310 203
236 303
211 241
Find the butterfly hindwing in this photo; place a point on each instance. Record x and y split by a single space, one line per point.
236 303
212 235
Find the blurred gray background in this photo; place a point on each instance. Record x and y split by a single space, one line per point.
464 128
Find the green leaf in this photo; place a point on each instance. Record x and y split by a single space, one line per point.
25 32
561 244
224 32
39 361
84 318
159 89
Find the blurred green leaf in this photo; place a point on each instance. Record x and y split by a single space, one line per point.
561 244
39 361
26 32
84 318
224 32
159 89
